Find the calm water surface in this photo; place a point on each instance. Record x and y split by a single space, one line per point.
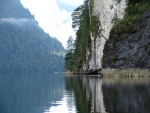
46 93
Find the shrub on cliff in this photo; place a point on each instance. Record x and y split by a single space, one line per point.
133 11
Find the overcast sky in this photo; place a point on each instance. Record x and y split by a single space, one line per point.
54 16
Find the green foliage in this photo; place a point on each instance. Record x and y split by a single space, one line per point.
69 61
114 58
28 49
132 13
95 23
148 50
76 15
82 41
125 25
91 6
137 8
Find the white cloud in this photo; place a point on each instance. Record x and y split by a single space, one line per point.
14 20
17 21
73 3
54 21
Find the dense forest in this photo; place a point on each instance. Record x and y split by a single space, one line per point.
24 46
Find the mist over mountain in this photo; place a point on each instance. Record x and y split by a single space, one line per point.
24 46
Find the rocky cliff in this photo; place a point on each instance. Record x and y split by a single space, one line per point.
112 34
106 11
132 49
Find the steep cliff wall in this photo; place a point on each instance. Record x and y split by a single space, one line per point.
106 11
130 49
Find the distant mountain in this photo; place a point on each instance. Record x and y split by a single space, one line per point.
24 46
13 9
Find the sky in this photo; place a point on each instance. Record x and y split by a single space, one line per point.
54 16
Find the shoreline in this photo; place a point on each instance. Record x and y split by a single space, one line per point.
130 72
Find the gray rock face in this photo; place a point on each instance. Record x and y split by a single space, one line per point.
105 10
129 50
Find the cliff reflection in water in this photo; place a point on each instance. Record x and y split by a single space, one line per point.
110 95
88 93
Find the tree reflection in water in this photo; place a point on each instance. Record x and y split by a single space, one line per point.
110 95
88 93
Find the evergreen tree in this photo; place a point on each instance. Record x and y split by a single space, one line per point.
69 54
81 21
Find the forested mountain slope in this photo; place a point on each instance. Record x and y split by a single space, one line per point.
24 46
13 9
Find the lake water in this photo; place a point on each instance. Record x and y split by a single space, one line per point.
45 93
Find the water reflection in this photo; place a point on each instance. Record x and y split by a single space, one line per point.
94 86
44 93
66 105
88 94
74 83
34 93
110 95
130 95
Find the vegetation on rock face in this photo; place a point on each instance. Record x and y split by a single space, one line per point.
94 22
89 24
76 17
128 45
133 11
148 51
69 54
113 58
95 26
82 41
